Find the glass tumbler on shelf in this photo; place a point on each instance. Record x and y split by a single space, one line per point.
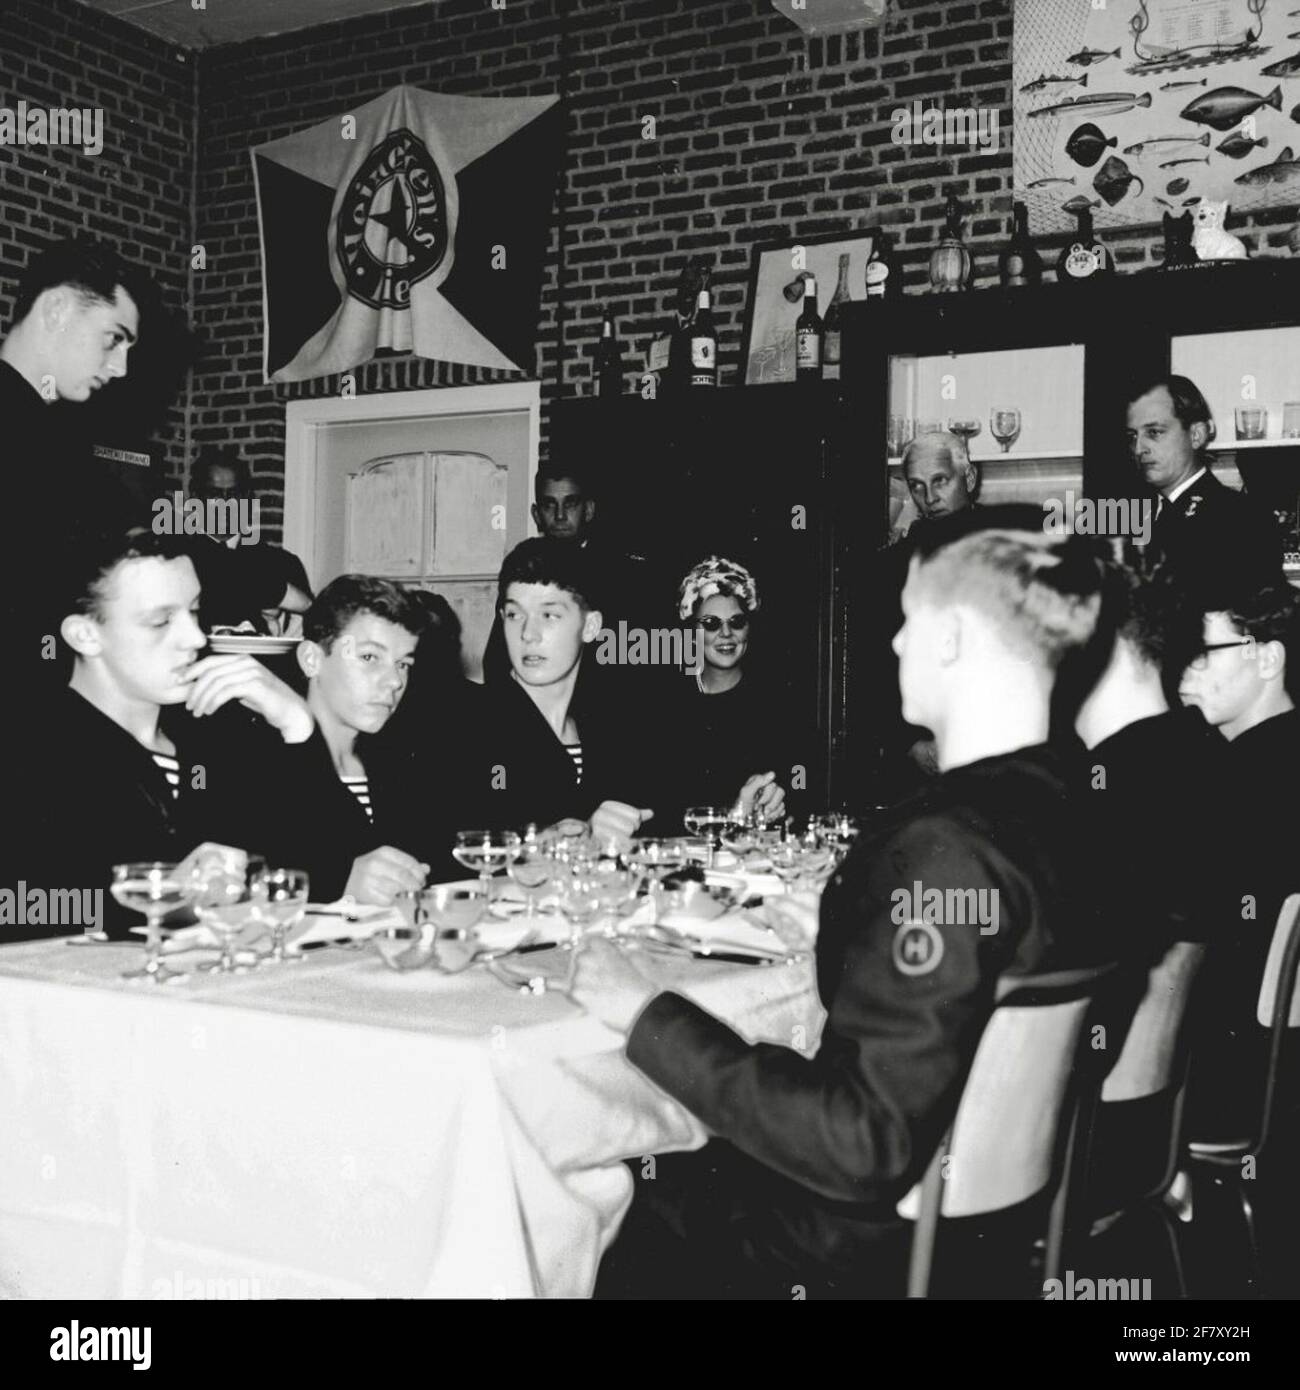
1291 420
1251 422
153 889
1004 426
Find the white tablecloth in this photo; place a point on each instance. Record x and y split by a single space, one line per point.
326 1129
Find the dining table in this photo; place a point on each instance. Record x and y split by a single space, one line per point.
331 1127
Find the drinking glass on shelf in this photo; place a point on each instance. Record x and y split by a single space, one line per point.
899 436
1291 420
153 889
965 429
228 901
707 822
1004 426
1252 421
486 852
280 896
929 427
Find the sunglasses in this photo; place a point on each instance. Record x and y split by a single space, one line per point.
736 623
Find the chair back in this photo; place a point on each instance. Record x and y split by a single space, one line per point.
1279 1003
1008 1139
1149 1060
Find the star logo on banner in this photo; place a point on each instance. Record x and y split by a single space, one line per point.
392 223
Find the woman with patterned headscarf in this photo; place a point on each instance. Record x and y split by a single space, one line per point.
730 728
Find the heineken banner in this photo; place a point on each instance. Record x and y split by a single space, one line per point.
417 223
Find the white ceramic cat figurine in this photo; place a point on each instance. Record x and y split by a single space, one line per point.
1212 243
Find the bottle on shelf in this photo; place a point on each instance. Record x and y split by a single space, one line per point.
1083 257
950 261
1020 263
808 336
703 342
609 362
884 280
669 357
832 324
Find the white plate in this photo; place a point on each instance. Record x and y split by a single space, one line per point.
249 644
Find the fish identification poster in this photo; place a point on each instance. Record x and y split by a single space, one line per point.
1138 108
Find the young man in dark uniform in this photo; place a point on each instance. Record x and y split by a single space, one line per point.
812 1154
1239 682
1153 777
76 319
151 748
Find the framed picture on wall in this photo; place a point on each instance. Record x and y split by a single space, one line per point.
776 276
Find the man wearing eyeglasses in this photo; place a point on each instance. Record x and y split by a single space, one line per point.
1239 681
244 579
1201 525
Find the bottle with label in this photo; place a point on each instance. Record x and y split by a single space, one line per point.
883 278
1083 257
808 336
950 261
609 362
1020 263
833 323
703 343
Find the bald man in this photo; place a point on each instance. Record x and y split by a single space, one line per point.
942 483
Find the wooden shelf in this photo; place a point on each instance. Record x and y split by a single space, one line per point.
1231 446
1015 456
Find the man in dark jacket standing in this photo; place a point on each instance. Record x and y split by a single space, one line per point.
813 1153
1201 527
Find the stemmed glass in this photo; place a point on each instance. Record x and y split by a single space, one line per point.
227 902
280 896
532 868
708 821
656 859
965 430
486 852
582 900
1004 426
153 889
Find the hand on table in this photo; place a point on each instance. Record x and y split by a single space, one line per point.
794 918
378 877
216 680
608 985
764 793
617 821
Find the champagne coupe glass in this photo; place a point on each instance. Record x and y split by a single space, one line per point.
532 869
965 429
228 902
486 852
656 859
709 822
153 889
581 901
281 896
1004 426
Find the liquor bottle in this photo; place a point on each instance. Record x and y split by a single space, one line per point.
609 362
950 262
1083 256
832 325
703 343
884 281
1020 263
668 360
808 336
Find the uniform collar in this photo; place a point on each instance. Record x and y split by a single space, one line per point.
1185 484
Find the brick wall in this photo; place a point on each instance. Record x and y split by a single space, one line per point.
137 191
762 134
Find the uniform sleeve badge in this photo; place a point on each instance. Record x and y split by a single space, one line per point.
918 948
